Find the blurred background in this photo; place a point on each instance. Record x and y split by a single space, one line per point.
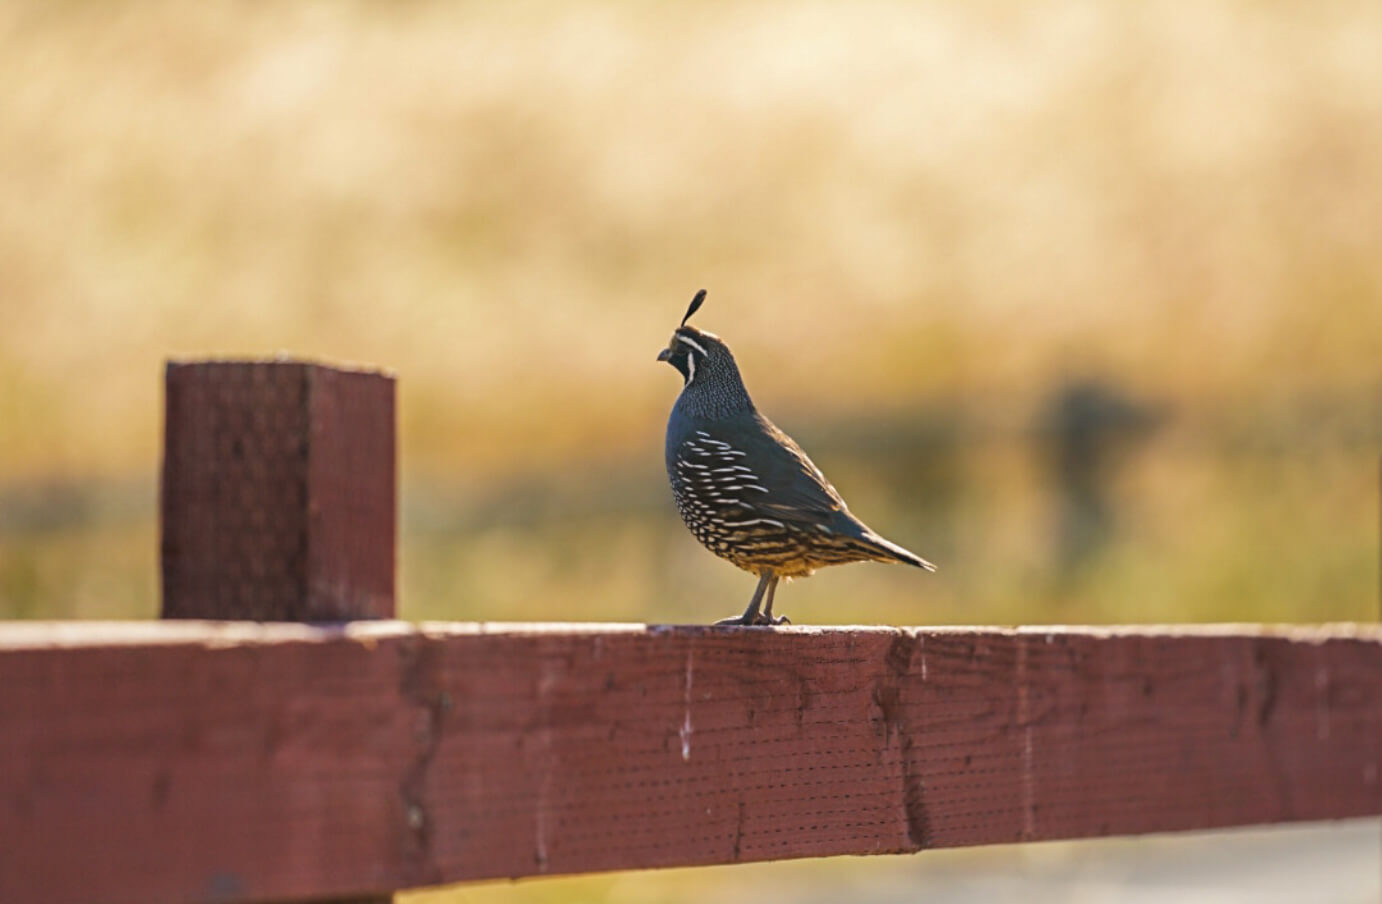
1080 300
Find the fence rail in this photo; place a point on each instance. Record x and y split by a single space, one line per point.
229 761
203 761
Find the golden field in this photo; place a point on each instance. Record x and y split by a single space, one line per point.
1083 301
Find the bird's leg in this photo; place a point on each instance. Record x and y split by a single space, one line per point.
767 617
750 616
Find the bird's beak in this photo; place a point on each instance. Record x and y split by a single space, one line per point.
664 354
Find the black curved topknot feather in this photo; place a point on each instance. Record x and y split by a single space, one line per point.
695 306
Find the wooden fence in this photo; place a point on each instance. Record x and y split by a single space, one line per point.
237 760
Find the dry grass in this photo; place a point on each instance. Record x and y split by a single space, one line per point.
510 204
898 208
907 214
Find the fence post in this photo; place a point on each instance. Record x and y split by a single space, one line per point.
278 494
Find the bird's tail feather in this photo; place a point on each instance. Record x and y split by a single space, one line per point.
889 551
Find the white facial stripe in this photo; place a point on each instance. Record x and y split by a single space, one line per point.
690 368
691 342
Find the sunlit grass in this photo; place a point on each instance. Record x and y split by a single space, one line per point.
917 223
103 572
509 205
1329 863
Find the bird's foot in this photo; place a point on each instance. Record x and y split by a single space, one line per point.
758 620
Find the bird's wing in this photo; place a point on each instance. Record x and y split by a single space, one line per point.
779 480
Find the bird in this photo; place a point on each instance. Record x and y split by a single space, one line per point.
745 489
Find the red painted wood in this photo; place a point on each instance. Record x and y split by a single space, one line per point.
278 495
199 762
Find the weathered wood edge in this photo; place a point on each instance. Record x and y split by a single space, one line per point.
18 635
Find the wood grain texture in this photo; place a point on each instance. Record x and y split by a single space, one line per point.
278 492
279 495
203 762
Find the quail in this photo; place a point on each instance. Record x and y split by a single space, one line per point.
745 489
